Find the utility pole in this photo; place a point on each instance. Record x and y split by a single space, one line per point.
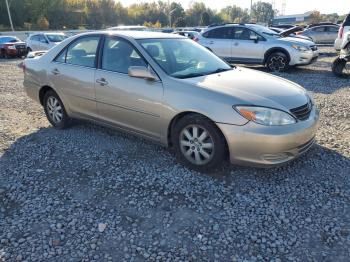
251 8
8 11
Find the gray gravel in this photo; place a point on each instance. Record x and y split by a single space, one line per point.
93 194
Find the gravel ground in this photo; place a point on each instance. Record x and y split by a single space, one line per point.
93 194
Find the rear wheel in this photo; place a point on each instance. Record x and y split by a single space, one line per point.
198 143
55 111
277 62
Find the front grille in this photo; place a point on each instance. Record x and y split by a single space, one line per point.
20 46
302 112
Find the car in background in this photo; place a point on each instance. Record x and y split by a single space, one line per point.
44 41
290 32
320 24
171 90
193 35
284 27
344 28
11 46
256 44
324 34
129 28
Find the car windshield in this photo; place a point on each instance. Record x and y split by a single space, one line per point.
183 58
9 39
56 38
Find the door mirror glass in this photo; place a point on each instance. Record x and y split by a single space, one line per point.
141 72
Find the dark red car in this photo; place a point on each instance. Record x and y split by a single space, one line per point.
11 46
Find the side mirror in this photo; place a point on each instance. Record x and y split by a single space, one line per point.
254 38
141 72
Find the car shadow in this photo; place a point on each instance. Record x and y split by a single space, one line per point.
89 141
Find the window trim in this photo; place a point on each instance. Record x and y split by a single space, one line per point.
65 49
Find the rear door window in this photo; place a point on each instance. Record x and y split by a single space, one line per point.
83 51
220 33
319 29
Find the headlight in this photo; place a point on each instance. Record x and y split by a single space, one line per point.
11 47
265 116
301 48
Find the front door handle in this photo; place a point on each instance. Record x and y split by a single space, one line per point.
102 82
211 42
236 44
55 71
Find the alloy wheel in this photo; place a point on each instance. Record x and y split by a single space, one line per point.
196 144
277 63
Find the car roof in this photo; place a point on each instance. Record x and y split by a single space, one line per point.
139 34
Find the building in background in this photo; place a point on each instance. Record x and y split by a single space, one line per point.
292 19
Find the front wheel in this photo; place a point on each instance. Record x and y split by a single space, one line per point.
277 62
55 111
198 143
338 66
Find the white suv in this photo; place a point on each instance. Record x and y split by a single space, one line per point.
345 27
44 41
255 44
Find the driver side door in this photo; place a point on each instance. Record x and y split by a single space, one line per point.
247 46
128 102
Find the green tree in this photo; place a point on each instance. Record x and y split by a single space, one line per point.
263 12
205 19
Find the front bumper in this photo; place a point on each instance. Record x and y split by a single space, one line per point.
16 52
304 58
258 145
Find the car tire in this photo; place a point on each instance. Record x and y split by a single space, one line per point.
338 66
198 143
277 62
55 111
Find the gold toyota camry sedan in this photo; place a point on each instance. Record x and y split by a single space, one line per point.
172 90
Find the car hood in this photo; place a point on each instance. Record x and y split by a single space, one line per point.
291 31
296 40
251 87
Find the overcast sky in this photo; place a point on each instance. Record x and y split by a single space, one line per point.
292 6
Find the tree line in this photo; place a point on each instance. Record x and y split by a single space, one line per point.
99 14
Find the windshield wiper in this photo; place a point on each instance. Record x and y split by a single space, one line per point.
219 70
189 75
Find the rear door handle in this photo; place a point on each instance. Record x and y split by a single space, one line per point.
102 82
211 42
236 44
55 71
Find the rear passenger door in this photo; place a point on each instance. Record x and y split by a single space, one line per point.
318 34
247 46
332 33
219 40
72 73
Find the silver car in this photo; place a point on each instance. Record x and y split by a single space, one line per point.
256 44
325 34
171 90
